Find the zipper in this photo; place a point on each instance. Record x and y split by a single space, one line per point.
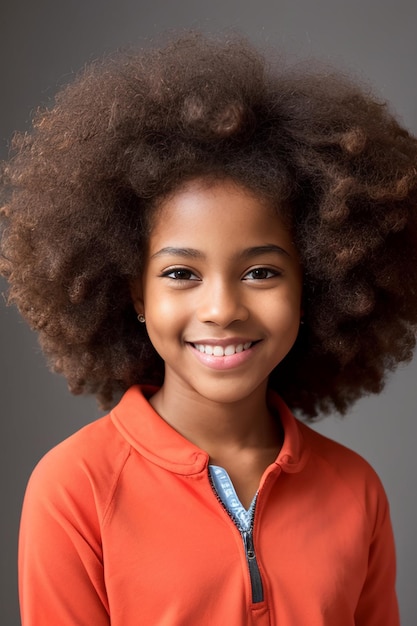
247 539
254 573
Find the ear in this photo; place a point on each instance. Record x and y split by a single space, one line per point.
136 292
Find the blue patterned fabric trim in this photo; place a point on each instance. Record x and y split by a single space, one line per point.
227 494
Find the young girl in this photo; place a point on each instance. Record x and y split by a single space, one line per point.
240 240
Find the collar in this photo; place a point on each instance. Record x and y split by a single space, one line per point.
294 452
161 444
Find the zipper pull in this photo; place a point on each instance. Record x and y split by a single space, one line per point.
249 548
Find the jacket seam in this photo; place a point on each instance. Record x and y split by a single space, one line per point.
113 489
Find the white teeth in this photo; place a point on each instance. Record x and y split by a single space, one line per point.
220 351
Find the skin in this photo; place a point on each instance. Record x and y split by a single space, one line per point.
221 270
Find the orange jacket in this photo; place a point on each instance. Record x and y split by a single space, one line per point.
121 526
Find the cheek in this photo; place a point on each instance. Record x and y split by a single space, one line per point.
164 318
286 309
162 309
284 323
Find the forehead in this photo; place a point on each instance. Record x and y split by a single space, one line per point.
213 211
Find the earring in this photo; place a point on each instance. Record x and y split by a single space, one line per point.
141 318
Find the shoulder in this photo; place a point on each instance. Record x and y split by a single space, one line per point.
340 457
336 465
82 469
305 448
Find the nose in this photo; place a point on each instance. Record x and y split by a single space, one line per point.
222 304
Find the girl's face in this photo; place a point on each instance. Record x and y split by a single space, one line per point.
221 291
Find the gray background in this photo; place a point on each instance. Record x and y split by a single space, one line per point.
42 44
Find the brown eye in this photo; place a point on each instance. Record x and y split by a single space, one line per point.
260 273
180 273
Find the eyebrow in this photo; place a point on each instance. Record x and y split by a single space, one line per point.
248 253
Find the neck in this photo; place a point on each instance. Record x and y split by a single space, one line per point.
219 428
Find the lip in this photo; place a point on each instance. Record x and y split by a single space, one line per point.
227 362
226 341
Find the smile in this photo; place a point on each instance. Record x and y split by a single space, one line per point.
222 351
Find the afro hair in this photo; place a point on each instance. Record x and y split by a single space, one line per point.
80 189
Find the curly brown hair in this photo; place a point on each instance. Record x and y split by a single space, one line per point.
80 191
